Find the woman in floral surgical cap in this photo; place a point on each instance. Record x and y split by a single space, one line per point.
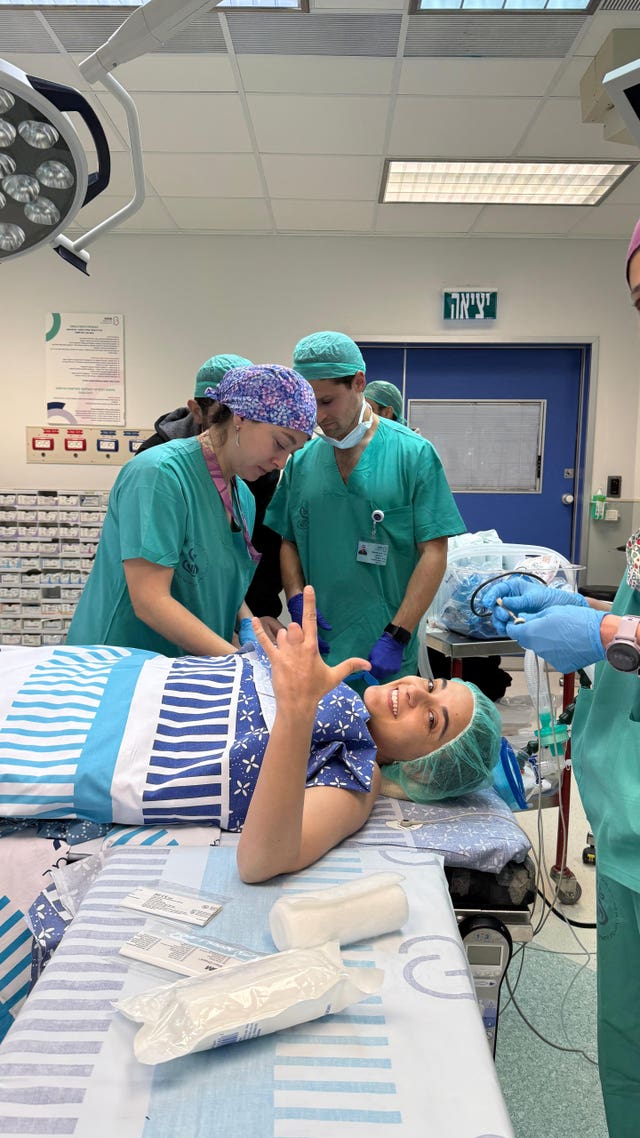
571 632
175 556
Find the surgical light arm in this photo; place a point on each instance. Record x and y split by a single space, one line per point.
144 30
147 29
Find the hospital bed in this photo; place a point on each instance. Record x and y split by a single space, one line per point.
483 849
412 1060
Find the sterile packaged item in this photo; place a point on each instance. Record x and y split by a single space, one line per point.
244 1001
188 955
366 907
174 903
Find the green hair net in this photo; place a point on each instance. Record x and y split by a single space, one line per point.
327 355
387 395
463 764
212 371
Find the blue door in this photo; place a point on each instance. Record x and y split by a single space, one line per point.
557 375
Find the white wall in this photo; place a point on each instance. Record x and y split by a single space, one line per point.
184 299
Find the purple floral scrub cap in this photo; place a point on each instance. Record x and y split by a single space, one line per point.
268 393
634 245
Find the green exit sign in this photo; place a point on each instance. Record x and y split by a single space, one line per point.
469 304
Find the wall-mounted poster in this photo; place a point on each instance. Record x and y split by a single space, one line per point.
85 368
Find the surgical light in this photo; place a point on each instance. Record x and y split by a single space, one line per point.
40 150
44 179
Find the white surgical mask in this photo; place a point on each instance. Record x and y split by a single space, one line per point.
358 432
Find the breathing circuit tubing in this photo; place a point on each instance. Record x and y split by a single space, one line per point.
498 577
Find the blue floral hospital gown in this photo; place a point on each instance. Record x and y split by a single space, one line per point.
119 735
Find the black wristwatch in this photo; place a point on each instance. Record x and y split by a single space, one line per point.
398 633
623 652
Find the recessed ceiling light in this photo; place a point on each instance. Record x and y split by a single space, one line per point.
502 182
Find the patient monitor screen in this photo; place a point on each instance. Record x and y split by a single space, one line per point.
484 954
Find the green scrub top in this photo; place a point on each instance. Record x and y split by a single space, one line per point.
165 508
605 748
399 473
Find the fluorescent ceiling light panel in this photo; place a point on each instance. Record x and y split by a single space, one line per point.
502 182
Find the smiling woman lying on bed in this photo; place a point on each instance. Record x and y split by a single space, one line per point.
267 741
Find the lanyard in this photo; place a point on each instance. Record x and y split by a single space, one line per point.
233 506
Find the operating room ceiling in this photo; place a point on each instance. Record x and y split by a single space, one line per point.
281 123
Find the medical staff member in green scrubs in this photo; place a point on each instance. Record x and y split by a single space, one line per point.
365 512
175 556
605 748
385 399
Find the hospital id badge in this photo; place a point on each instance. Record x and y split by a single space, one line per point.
372 552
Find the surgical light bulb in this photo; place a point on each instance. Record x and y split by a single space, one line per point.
7 100
42 212
40 135
7 133
21 187
11 237
55 175
7 165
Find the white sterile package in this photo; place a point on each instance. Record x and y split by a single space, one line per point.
366 907
244 1001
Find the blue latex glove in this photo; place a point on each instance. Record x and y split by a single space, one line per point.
366 677
567 636
385 657
523 596
246 635
294 604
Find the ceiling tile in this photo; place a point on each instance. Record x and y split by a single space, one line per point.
310 124
437 128
197 123
425 219
152 217
470 78
121 180
312 74
323 176
523 221
568 82
167 72
59 68
559 132
607 221
215 215
192 175
327 217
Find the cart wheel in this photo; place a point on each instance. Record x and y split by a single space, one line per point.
569 888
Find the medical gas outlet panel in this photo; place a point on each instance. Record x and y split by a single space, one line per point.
90 446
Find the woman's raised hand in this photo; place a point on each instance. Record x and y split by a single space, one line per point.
300 675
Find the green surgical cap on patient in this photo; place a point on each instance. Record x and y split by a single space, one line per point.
387 395
465 763
327 355
212 371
